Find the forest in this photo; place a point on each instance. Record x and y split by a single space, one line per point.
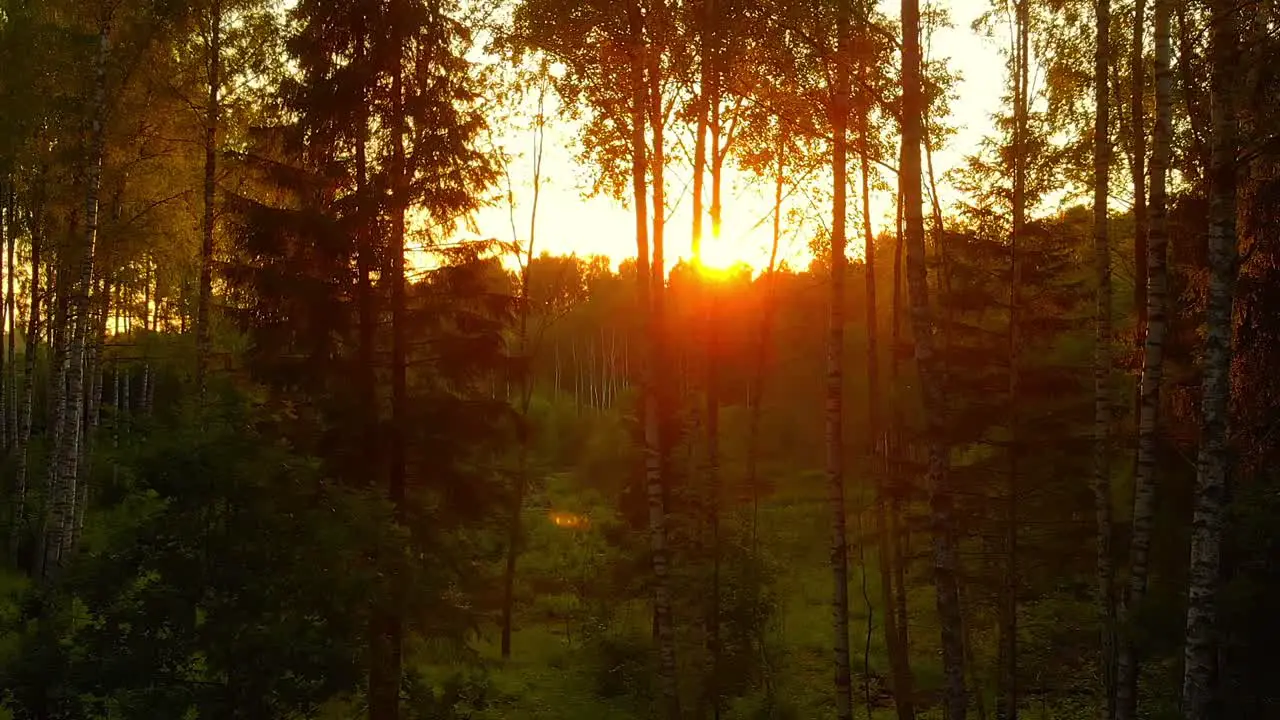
287 430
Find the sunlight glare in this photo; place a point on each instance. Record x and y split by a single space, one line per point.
569 519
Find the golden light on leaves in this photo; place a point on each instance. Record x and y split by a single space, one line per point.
569 520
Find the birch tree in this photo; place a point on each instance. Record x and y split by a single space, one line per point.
1102 338
1146 481
1212 466
941 502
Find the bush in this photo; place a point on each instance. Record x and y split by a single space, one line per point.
622 666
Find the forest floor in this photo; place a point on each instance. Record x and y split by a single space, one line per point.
552 676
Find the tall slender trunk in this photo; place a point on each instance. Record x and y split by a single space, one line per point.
1102 320
1199 692
712 320
80 280
898 483
150 323
126 397
648 406
878 441
366 308
93 401
6 211
30 349
1138 151
945 561
384 701
525 388
1008 681
1127 661
839 548
210 178
755 391
50 544
700 141
14 422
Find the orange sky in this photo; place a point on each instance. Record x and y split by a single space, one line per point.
568 222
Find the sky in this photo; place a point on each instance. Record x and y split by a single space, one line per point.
570 221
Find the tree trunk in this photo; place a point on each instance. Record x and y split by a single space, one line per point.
93 402
755 393
1199 694
648 275
80 280
1138 155
712 298
384 701
6 211
1007 709
515 531
13 420
955 700
899 528
1152 372
210 179
1102 318
878 440
30 349
839 550
700 141
150 323
366 262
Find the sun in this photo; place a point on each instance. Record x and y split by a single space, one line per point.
722 259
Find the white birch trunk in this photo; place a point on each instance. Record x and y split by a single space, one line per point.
1127 664
1212 469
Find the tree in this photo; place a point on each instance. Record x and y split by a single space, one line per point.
212 111
941 502
1021 72
64 470
1212 467
878 430
527 348
1102 334
1138 164
839 550
1152 368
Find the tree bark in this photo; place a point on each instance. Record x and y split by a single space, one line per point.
1007 708
1199 694
515 531
648 277
30 349
93 402
13 420
755 393
945 560
839 549
212 111
80 278
1127 662
878 441
6 211
1102 320
384 700
899 528
712 73
1138 153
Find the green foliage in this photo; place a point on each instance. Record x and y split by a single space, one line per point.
235 592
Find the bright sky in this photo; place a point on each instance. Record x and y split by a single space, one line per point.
570 222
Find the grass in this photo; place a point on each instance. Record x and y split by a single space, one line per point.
551 677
